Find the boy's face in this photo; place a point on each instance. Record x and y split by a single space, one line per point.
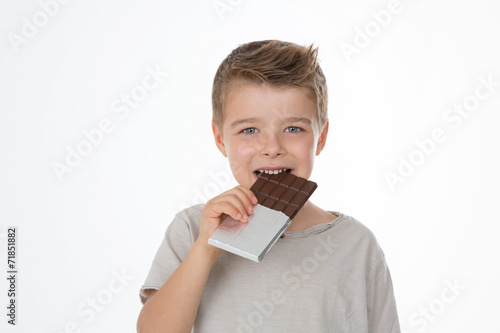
269 128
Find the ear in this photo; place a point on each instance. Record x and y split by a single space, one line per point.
219 141
322 139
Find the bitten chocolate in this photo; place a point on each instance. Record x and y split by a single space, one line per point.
280 196
283 192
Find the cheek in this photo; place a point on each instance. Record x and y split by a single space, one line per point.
240 154
305 148
241 148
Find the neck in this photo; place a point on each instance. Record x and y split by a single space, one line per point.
302 220
308 216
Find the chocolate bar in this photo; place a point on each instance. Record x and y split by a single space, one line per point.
280 197
284 192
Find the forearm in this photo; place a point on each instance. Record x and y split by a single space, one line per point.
173 308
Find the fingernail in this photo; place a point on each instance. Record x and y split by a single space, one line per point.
245 217
239 215
250 209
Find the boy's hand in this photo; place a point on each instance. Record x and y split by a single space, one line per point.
237 202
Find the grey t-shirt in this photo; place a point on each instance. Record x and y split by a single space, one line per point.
329 278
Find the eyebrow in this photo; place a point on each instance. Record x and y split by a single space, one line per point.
298 120
287 120
243 121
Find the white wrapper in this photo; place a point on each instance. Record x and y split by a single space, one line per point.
252 239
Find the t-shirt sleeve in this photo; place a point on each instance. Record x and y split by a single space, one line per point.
176 243
382 311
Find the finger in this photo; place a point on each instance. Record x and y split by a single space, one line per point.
239 199
233 199
230 205
249 194
247 197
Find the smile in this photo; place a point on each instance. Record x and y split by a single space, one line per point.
275 172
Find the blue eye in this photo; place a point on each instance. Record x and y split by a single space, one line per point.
250 130
293 129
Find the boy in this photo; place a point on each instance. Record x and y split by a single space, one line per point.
327 274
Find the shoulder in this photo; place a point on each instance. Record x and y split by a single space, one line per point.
192 213
186 222
359 236
352 225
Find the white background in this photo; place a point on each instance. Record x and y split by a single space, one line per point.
438 226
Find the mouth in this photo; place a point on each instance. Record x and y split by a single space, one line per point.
271 171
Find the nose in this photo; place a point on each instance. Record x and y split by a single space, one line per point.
271 145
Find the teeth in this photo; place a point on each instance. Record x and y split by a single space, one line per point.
272 172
